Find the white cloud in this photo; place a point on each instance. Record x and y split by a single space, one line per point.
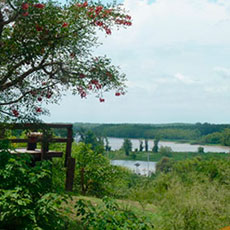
222 71
170 21
184 79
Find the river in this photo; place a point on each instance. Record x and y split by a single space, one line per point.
139 167
116 144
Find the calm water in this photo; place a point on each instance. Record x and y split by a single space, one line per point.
139 167
116 144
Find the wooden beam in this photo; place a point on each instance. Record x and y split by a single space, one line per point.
35 125
69 144
70 174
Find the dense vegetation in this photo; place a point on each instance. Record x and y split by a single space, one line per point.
189 191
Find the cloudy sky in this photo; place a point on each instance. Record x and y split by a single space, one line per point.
177 60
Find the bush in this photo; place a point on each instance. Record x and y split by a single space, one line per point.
164 165
26 198
193 195
109 215
165 151
94 175
200 149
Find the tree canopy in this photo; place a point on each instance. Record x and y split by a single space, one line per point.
47 48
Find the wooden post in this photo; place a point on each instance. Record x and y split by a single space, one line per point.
45 149
70 174
45 145
69 144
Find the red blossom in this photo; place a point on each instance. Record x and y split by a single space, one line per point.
39 99
81 75
83 94
117 94
123 22
39 6
108 11
38 28
38 110
95 82
98 86
25 14
25 6
128 17
101 99
65 24
99 23
98 9
108 31
15 112
49 95
85 4
90 87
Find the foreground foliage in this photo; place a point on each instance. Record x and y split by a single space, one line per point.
190 194
109 215
26 197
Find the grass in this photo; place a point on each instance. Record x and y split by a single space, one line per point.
147 210
142 156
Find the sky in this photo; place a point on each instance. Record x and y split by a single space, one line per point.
176 57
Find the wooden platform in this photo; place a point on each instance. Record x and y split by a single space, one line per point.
37 154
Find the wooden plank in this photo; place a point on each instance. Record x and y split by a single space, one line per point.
38 152
17 140
69 144
35 125
52 154
70 174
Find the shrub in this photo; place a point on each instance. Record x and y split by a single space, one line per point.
165 151
26 198
109 215
164 165
94 175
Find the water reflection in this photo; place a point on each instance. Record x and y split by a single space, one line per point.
116 143
139 167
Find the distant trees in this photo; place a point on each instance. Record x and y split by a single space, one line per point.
89 137
146 145
200 150
198 133
107 146
141 147
166 151
225 139
155 147
127 146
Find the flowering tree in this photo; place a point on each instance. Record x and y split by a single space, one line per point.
46 48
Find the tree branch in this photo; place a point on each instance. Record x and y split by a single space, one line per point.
26 74
11 71
26 93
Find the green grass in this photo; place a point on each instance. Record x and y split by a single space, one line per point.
148 210
142 156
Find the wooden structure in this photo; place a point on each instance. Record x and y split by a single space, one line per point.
45 139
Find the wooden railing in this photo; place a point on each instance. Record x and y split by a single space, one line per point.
44 153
